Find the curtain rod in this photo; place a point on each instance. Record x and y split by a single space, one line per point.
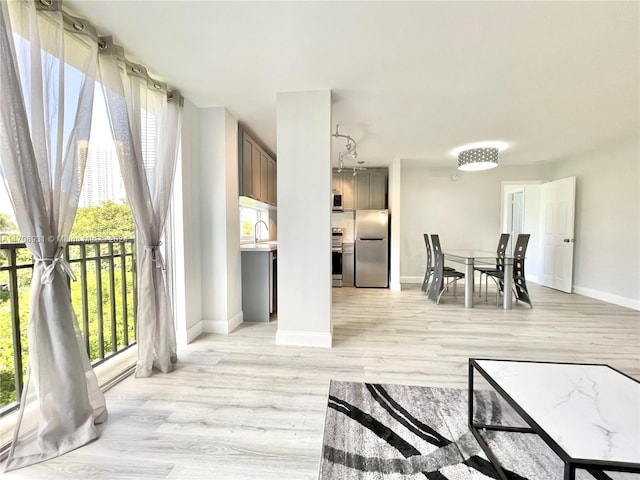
84 27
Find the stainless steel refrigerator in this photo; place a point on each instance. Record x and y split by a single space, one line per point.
372 248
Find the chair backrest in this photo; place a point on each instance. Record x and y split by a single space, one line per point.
521 245
502 244
436 282
435 241
519 282
429 254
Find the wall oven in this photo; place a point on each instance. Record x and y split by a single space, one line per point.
336 256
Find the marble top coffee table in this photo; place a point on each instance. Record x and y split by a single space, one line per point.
588 414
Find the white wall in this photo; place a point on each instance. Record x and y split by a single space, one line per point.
304 218
219 221
465 212
607 228
185 216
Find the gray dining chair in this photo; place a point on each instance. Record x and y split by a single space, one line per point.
430 262
441 277
486 269
519 282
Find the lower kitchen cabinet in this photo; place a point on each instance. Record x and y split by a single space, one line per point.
259 282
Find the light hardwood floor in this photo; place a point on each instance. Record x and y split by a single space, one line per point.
240 407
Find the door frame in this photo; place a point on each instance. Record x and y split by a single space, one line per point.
531 203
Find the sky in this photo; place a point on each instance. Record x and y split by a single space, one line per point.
100 128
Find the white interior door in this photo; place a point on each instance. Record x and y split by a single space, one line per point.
558 212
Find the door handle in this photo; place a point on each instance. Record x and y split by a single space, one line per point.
568 240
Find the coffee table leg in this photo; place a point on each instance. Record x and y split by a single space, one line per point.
569 471
476 433
470 396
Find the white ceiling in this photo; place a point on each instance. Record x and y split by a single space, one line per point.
410 80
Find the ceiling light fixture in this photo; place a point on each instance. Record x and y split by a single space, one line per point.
475 159
351 152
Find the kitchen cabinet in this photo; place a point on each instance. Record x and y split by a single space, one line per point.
371 189
271 182
256 189
257 171
245 157
363 197
264 177
344 182
378 189
259 282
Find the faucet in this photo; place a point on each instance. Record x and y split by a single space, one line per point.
255 230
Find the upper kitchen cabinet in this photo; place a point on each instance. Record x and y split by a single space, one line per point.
271 181
371 189
344 183
378 189
256 171
245 167
366 190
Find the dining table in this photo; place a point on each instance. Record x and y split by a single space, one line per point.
470 258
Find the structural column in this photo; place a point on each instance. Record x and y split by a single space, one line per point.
395 173
304 218
219 221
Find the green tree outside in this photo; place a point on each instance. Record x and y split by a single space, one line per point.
109 220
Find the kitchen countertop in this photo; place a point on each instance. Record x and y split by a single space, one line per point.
259 247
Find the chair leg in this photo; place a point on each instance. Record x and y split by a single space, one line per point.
486 288
439 295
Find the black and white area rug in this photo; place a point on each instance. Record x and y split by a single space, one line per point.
400 432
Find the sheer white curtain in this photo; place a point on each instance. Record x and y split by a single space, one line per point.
47 81
145 120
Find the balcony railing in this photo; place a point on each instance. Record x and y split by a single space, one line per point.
104 299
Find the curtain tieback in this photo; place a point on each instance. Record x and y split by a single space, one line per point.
50 265
156 256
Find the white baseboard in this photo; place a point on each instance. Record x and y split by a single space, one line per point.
236 321
608 297
188 336
303 339
395 287
222 326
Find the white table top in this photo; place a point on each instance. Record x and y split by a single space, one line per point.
590 411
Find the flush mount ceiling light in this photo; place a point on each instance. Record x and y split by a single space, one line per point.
350 154
474 159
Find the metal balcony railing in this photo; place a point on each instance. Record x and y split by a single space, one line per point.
104 299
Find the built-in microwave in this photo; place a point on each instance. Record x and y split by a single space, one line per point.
336 202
